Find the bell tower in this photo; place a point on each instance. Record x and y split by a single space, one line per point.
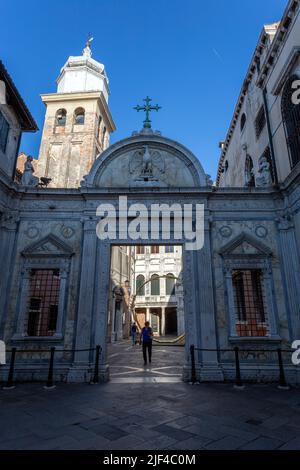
77 123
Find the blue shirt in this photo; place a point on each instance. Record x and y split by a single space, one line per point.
146 335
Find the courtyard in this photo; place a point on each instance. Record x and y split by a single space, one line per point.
149 408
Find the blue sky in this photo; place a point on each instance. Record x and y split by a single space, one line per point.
189 56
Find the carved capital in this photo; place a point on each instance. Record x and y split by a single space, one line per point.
9 220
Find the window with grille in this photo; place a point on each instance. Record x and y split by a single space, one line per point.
260 121
43 302
291 118
249 303
4 129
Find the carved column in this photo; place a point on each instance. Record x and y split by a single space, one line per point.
291 268
206 309
8 232
86 294
62 301
100 312
21 330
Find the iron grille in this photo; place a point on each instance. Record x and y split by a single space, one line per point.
249 303
260 122
43 302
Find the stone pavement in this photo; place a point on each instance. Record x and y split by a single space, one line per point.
127 365
133 414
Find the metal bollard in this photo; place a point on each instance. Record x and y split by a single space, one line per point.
193 368
282 381
10 379
50 383
96 369
238 379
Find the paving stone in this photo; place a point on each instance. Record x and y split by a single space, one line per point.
174 433
263 443
109 432
227 443
205 431
149 416
293 444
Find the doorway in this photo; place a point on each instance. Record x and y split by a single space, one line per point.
147 282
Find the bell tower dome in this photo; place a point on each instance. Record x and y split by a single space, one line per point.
77 123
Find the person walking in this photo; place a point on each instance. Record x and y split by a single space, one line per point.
133 331
146 339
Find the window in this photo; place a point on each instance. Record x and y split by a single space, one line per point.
249 172
249 302
170 284
225 167
291 119
169 249
140 250
4 128
103 134
260 121
139 285
155 290
79 116
99 126
43 302
154 249
61 117
243 121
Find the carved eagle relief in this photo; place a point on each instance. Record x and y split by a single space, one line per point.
146 161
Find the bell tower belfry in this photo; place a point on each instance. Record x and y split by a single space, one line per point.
77 123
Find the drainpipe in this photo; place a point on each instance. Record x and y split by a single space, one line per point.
270 137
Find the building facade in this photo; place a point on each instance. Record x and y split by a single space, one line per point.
240 289
158 288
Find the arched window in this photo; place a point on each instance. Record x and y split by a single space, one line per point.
291 119
249 172
139 285
243 121
225 167
61 117
170 284
79 116
155 290
99 126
